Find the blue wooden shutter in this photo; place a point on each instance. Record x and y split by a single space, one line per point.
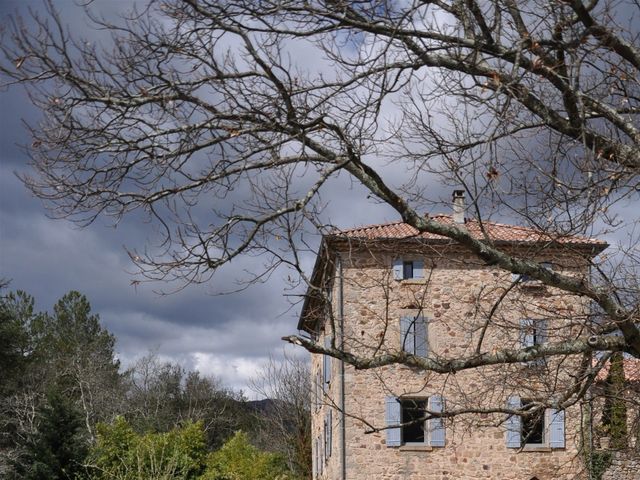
397 269
527 338
327 362
436 425
514 424
421 337
407 328
418 269
542 337
542 332
556 428
392 416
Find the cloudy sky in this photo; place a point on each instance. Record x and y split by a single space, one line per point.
228 336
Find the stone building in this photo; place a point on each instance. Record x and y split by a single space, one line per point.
385 292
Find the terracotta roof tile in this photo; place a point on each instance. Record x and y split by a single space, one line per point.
495 231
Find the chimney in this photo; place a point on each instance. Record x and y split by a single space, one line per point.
458 206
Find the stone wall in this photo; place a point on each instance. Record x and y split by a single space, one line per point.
624 466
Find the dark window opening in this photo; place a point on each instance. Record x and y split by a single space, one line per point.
533 428
413 410
407 269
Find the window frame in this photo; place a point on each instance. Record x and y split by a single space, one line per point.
425 430
541 422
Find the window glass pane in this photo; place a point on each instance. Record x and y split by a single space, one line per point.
533 429
407 269
413 410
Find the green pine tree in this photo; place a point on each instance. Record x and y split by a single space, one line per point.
59 447
614 415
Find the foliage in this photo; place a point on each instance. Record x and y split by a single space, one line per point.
614 414
599 462
121 453
239 460
162 395
50 357
60 376
58 448
17 318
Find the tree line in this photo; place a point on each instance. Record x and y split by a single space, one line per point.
68 410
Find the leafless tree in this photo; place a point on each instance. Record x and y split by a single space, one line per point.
162 395
205 116
286 384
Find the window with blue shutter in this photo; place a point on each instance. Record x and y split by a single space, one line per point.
413 335
392 417
436 424
545 429
513 423
407 269
412 411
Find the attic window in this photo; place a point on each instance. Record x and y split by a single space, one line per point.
407 269
527 279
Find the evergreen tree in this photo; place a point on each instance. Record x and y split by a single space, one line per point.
58 449
614 415
78 356
17 317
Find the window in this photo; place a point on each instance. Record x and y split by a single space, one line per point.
515 277
533 332
406 269
410 410
543 430
413 335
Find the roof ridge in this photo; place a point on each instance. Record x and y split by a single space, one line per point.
373 225
520 228
497 231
